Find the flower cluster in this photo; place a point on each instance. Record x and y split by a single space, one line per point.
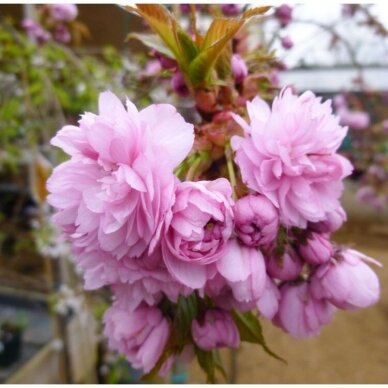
163 244
54 23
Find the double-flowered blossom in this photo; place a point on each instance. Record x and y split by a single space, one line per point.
140 335
198 230
113 195
300 313
194 256
288 154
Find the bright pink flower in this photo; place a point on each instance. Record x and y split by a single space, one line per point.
287 42
140 335
199 229
63 12
286 267
332 222
35 31
216 330
62 34
256 220
347 282
289 155
318 249
178 84
113 195
300 314
354 119
284 14
231 9
239 68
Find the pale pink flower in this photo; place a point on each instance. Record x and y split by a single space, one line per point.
256 220
63 12
200 226
216 330
140 335
354 119
113 195
300 313
347 282
367 194
289 155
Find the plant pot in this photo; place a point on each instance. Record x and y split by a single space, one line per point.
10 346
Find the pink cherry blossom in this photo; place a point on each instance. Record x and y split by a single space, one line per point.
347 281
289 155
300 313
354 119
284 14
113 195
200 226
63 12
217 329
256 220
140 335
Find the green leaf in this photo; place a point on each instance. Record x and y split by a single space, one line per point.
152 41
207 363
186 311
251 331
188 48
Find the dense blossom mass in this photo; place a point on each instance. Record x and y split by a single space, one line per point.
160 242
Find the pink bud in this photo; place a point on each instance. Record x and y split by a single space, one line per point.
286 267
284 14
239 68
166 62
318 249
215 331
256 220
62 34
347 282
178 84
300 313
287 43
231 9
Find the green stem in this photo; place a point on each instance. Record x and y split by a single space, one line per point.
231 172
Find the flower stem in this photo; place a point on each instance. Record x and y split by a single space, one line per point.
231 172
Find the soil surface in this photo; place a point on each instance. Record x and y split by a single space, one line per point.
352 349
